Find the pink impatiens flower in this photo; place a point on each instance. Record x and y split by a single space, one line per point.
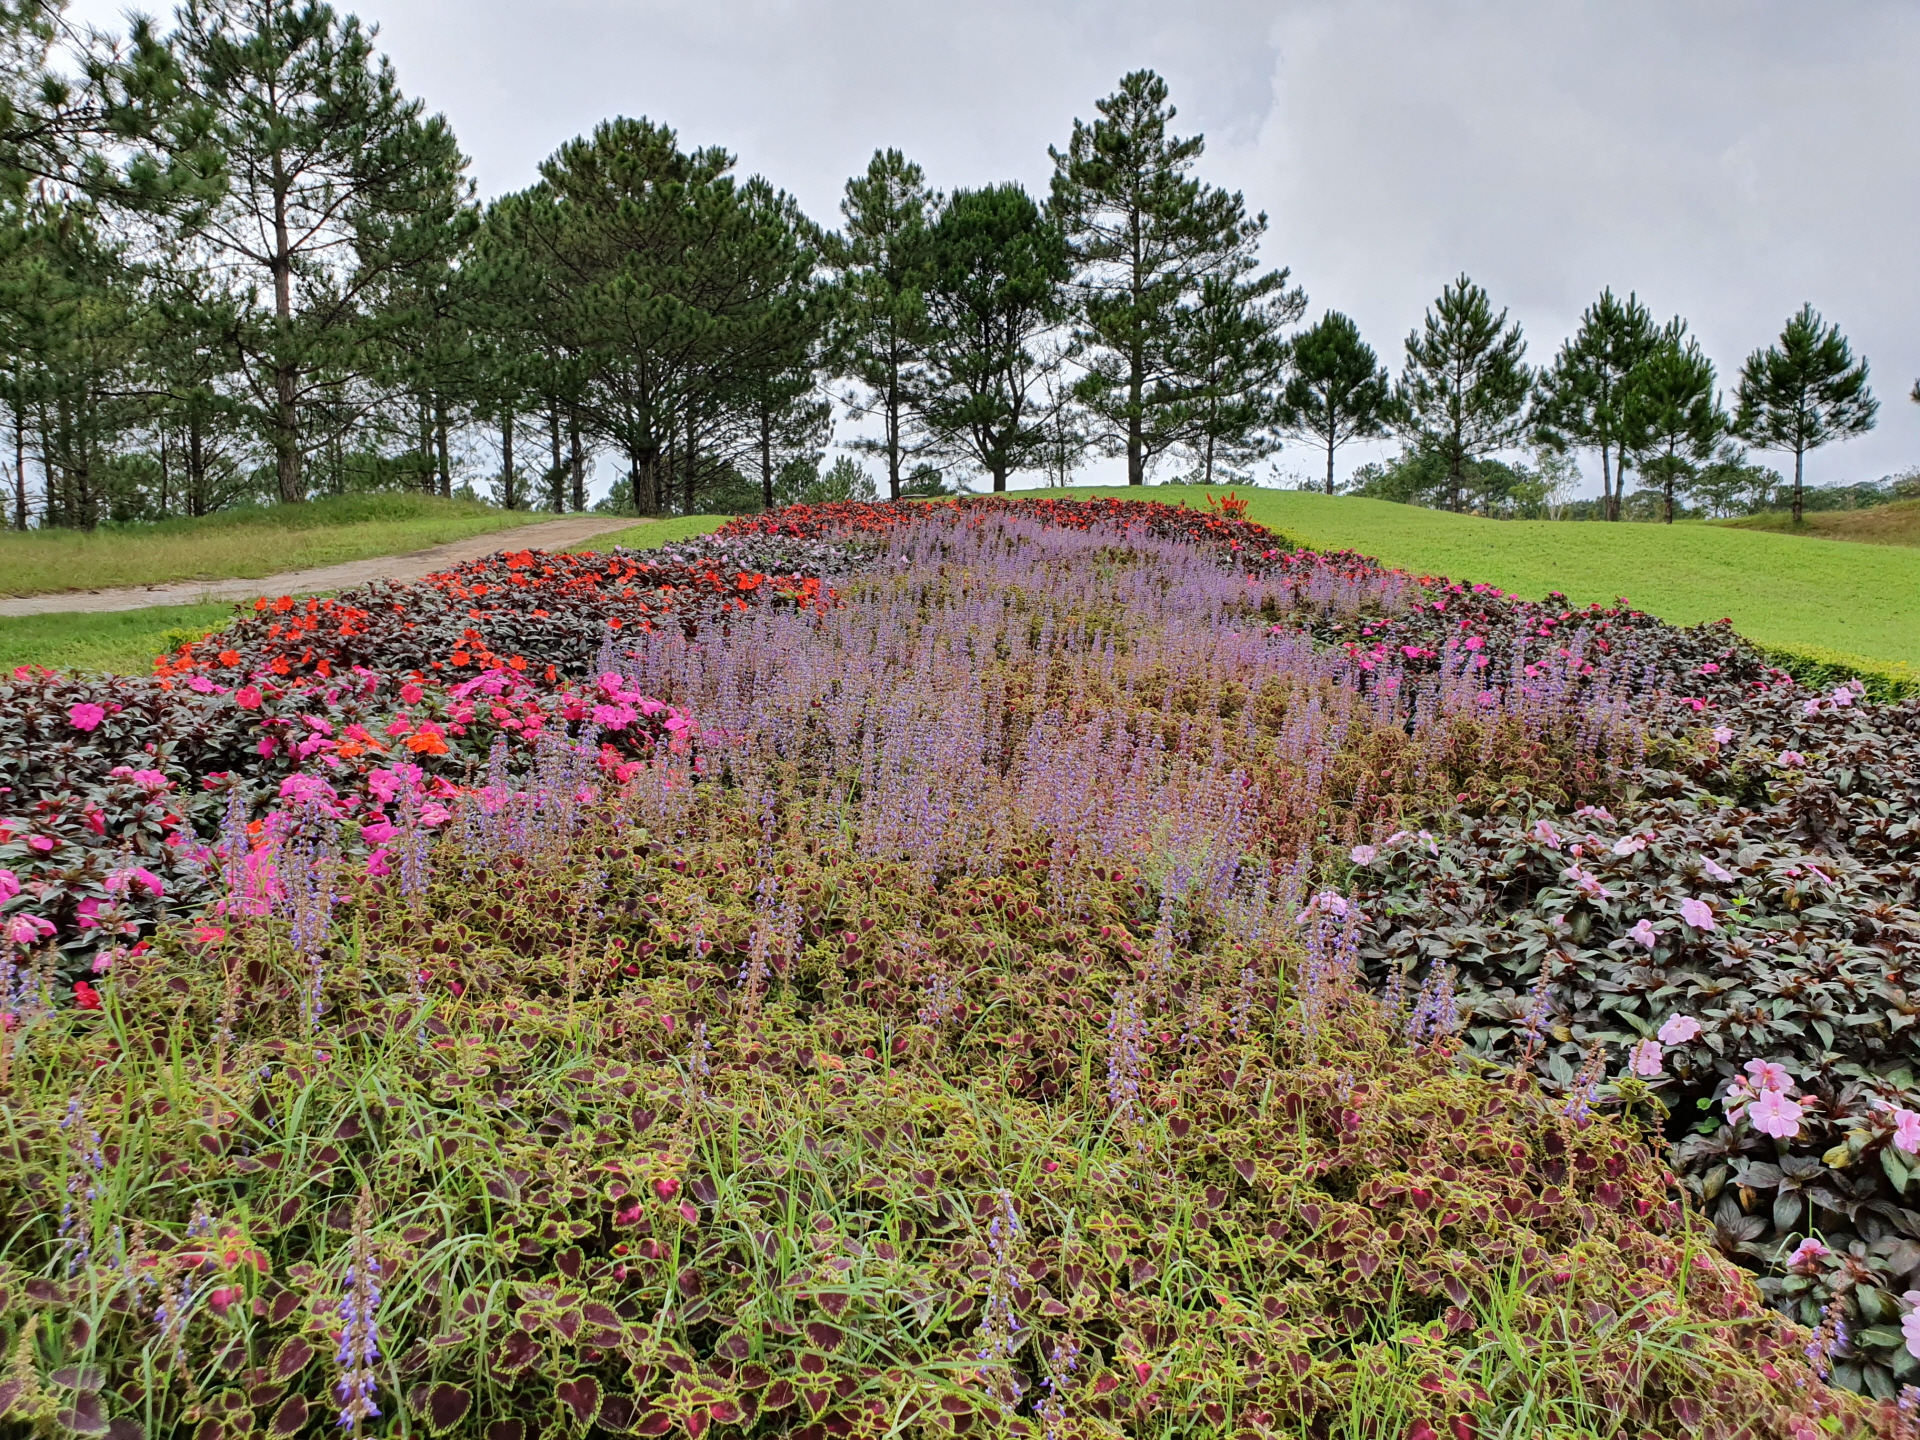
1678 1030
1906 1131
86 716
1363 854
1645 1059
1910 1323
1544 832
28 929
1774 1114
1587 883
1698 914
1792 759
1715 870
9 884
1629 845
1722 735
1642 934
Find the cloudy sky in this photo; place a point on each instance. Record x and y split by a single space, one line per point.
1725 160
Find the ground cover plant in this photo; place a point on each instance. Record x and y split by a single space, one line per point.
953 991
1809 595
246 542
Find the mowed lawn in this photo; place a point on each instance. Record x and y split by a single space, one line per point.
1787 590
124 642
243 543
1895 524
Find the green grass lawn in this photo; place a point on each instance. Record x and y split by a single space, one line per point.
645 534
1801 593
120 642
243 543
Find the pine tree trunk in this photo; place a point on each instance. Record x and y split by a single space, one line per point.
690 479
893 435
556 473
163 472
1799 458
196 469
440 447
578 462
286 379
766 459
506 461
19 469
1329 467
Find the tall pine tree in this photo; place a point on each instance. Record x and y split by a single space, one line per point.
1804 392
1463 392
1674 413
1337 391
1145 236
1583 397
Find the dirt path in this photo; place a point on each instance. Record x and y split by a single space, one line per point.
549 535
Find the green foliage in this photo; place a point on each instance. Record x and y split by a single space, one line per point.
1463 392
1583 398
1674 413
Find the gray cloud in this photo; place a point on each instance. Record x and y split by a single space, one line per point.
1726 160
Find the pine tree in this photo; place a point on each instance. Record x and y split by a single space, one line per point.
1673 412
1145 235
996 271
880 330
1583 396
1233 359
1464 390
1804 392
326 188
1338 390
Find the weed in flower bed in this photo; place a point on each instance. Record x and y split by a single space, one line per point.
914 1010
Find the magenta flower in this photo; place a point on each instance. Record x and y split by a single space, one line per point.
86 716
9 884
1679 1029
1645 1059
1774 1114
28 929
1698 914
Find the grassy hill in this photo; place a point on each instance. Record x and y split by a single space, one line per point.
1895 524
251 541
1806 594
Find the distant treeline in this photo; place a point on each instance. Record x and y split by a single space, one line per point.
237 263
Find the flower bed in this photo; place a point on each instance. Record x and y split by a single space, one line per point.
934 1000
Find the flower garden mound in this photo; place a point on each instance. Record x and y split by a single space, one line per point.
926 995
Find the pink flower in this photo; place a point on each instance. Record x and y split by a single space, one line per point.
1629 845
1679 1029
1910 1323
1906 1131
86 716
410 694
42 843
1363 854
9 884
378 862
247 698
1715 870
1710 668
1642 935
1769 1076
1587 884
1544 832
1792 758
1774 1114
1328 903
28 929
1698 914
1805 1253
1645 1059
1723 735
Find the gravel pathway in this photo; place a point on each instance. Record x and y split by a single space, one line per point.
549 535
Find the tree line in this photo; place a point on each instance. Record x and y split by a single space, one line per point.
238 263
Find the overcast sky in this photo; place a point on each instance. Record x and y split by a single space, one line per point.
1727 161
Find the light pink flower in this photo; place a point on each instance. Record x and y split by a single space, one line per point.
1363 854
1645 1059
1805 1253
1544 832
1769 1076
1792 758
86 716
1698 914
1630 844
1906 1131
1715 870
1587 884
1910 1323
1328 903
1679 1029
1642 935
1722 735
1774 1114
